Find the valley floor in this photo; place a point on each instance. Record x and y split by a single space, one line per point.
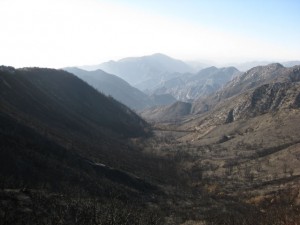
245 172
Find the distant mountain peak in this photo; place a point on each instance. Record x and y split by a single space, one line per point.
118 88
161 55
143 72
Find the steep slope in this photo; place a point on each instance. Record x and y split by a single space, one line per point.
192 86
58 134
253 78
49 96
143 72
31 159
268 98
65 110
114 86
253 104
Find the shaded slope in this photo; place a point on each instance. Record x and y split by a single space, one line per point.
30 159
60 134
67 111
59 99
114 86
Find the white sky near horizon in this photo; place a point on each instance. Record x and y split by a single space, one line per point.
59 33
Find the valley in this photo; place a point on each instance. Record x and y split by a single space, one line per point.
243 146
72 154
149 112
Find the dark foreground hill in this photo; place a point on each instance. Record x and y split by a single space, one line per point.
60 100
62 143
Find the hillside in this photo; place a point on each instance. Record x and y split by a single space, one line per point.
64 143
249 65
167 113
253 78
248 132
58 99
119 89
114 86
65 110
242 143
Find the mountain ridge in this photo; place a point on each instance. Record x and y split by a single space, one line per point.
142 72
119 89
189 86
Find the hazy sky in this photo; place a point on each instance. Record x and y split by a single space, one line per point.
58 33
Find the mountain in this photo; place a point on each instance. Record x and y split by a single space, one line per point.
247 140
242 141
143 72
45 95
189 86
67 149
261 90
119 89
248 65
114 86
254 78
40 106
251 79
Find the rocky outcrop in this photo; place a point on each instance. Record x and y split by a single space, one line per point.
187 87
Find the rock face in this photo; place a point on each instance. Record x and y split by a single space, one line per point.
250 105
264 99
263 80
258 76
186 87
